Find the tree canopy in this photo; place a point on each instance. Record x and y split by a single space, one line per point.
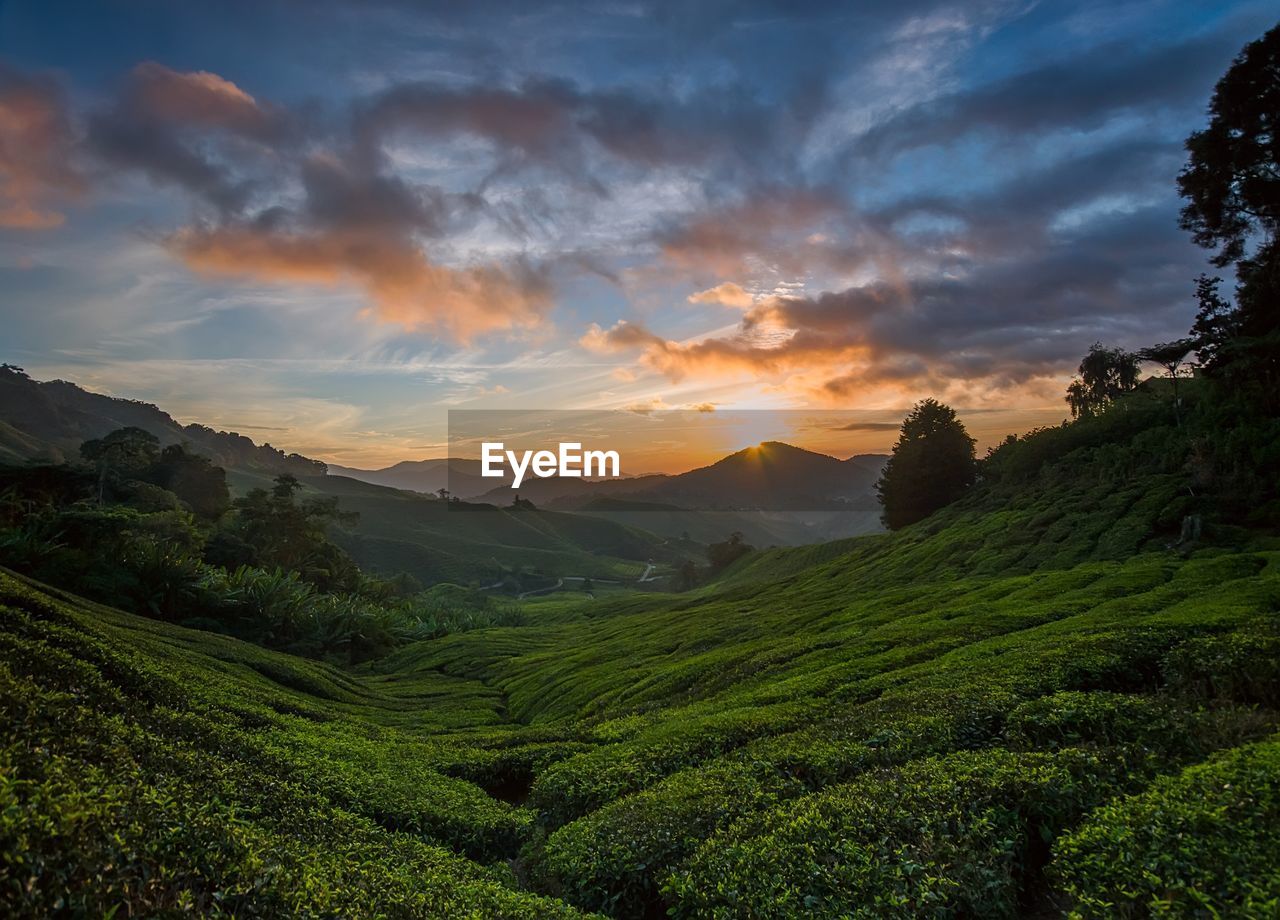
1232 177
932 465
293 534
1105 373
1231 184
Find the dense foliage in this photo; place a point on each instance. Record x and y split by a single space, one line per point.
932 465
1232 188
152 531
1105 375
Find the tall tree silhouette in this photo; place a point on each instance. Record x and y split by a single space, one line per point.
1232 186
932 465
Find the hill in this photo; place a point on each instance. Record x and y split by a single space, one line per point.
459 476
398 531
1043 700
774 494
50 420
467 543
771 476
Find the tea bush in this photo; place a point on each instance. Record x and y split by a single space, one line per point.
1200 843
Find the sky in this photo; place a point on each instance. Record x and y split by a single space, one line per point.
324 224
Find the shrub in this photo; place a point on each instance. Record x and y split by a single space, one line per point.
616 859
1202 843
1242 667
946 837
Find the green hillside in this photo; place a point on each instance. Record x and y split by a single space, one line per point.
437 541
1041 701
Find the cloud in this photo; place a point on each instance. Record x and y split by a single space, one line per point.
766 224
451 203
726 294
868 426
197 131
158 94
989 325
284 208
647 407
1079 93
37 152
726 130
404 286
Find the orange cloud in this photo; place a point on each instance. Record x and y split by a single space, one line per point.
875 345
741 354
404 286
200 97
727 294
36 151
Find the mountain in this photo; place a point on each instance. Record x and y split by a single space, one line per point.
771 477
774 495
397 531
463 479
50 421
459 476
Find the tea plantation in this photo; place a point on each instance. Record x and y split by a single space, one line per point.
1038 702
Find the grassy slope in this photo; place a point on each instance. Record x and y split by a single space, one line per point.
1027 704
176 770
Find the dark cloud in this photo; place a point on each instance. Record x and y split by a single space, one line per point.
340 197
197 131
999 320
1081 92
557 124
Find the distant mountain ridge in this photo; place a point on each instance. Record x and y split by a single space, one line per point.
461 477
50 420
772 475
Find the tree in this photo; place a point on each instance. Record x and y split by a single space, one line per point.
1232 187
1105 373
722 555
125 450
931 466
194 479
1216 325
1171 356
293 535
1232 177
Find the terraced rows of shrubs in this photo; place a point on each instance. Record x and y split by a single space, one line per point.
1017 708
181 782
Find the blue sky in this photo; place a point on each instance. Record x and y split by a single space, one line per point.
324 224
